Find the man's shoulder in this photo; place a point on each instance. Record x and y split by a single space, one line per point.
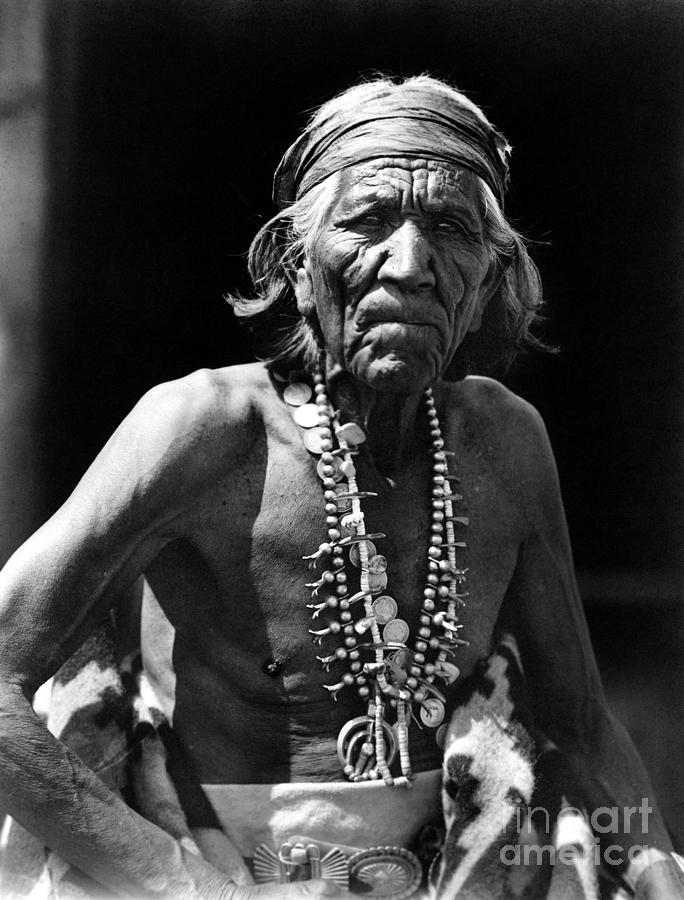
487 403
211 386
213 398
181 436
198 420
502 424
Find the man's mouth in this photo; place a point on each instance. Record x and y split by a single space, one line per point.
396 320
398 335
367 319
390 320
387 310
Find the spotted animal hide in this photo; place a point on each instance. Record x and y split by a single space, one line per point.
513 824
101 708
495 767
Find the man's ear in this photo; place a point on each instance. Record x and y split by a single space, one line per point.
488 289
303 288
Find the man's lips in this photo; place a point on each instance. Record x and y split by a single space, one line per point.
367 324
395 334
381 311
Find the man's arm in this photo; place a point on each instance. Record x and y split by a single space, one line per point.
544 611
58 586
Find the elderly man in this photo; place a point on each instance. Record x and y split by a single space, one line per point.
330 543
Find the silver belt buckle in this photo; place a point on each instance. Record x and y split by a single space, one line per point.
391 872
299 862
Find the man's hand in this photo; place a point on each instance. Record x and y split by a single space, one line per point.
661 880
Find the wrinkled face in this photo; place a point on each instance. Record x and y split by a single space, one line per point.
399 272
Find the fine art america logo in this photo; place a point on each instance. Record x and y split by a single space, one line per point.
604 820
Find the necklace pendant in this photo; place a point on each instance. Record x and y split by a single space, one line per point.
377 581
297 393
447 671
432 712
355 553
345 494
350 434
357 748
396 631
385 609
306 416
313 441
377 564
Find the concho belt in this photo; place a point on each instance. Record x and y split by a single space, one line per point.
376 872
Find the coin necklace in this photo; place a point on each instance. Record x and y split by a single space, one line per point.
388 674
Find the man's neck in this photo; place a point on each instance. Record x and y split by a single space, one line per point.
393 423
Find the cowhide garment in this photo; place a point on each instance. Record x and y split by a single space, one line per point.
497 771
495 768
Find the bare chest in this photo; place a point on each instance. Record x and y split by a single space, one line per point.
238 577
249 633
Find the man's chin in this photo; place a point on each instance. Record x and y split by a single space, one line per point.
394 374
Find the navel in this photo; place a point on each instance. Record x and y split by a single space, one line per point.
272 667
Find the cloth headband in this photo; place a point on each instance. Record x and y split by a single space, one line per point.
458 137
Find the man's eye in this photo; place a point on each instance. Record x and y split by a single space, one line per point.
449 226
371 220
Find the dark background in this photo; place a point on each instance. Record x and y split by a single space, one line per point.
166 121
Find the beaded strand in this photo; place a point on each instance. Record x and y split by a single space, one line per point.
398 676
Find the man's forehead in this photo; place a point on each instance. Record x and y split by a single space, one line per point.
391 177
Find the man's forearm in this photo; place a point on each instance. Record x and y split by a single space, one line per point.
56 797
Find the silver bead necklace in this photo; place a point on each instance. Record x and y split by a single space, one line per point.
351 600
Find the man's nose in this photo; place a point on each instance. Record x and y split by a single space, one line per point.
407 259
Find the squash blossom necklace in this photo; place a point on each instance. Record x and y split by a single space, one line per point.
393 678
